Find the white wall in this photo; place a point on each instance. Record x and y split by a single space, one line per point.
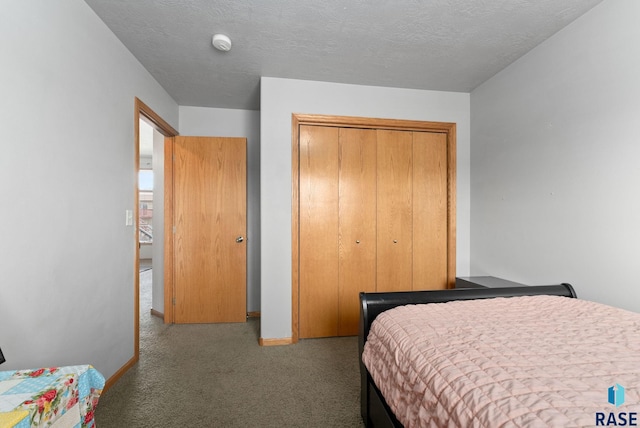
217 122
146 251
554 166
66 178
282 97
157 251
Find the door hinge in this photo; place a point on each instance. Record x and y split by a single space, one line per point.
174 229
173 300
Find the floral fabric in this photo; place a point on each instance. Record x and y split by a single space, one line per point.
68 395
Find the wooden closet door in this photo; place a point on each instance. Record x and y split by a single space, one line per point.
318 231
357 224
430 211
394 210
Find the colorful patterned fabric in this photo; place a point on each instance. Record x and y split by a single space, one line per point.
15 419
54 396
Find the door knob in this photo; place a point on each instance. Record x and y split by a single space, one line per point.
239 239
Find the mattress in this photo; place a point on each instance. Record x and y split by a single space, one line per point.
533 361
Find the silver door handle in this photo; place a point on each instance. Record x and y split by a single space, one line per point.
239 239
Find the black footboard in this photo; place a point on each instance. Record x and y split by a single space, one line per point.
374 409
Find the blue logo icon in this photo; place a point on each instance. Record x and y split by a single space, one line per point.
616 395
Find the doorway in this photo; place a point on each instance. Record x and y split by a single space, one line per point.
151 219
161 131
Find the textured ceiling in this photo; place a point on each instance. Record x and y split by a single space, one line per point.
448 45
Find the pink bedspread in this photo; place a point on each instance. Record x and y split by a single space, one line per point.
540 361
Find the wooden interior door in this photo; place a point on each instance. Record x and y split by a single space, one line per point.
394 210
373 217
373 210
357 224
430 255
318 225
209 217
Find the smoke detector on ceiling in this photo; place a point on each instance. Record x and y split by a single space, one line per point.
222 42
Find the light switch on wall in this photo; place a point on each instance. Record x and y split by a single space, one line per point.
128 218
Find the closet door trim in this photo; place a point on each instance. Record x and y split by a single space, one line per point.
366 123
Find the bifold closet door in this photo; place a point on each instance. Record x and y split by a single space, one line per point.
372 217
394 210
357 224
318 223
430 211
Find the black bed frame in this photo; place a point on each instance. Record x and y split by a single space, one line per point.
375 411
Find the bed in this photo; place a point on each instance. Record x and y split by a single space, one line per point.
515 356
57 397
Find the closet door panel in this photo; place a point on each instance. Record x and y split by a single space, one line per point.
318 233
394 210
357 224
429 211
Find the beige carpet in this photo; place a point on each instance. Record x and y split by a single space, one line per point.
216 375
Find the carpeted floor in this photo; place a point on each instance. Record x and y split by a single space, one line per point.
216 375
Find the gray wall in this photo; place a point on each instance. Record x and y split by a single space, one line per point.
66 179
282 97
217 122
157 273
554 161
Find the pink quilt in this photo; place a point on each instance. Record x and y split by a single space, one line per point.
539 361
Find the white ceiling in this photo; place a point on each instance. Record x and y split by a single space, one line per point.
448 45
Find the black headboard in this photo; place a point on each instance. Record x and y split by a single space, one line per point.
373 304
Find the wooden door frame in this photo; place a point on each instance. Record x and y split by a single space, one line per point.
298 119
144 112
